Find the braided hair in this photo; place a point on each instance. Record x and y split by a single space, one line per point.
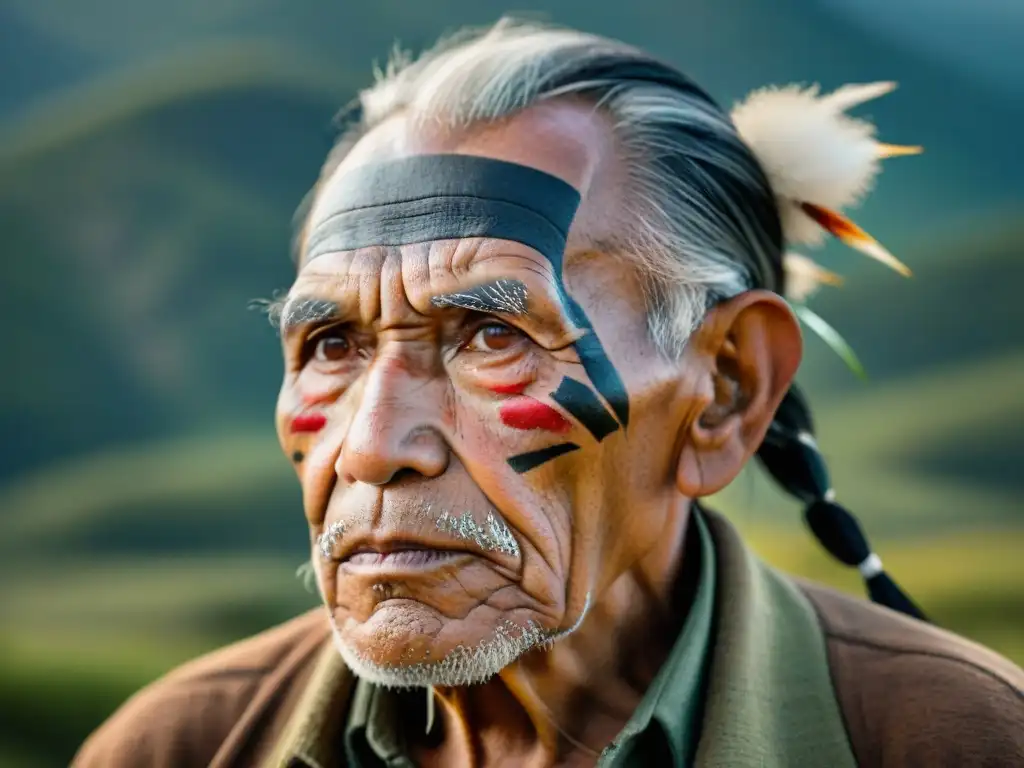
790 455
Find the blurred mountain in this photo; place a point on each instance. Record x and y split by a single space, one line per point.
141 215
729 45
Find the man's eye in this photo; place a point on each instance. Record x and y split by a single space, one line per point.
331 346
494 337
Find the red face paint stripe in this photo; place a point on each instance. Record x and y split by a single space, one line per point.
527 413
508 389
309 422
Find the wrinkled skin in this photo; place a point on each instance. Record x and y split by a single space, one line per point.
412 430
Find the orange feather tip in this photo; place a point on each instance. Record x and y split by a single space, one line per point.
827 277
850 234
800 266
896 150
804 276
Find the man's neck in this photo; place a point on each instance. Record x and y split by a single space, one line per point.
563 704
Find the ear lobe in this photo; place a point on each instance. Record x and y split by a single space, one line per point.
750 349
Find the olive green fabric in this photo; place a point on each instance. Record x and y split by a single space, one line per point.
316 723
767 698
770 701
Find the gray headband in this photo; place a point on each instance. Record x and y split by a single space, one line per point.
438 197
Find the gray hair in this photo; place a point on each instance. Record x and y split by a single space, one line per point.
700 220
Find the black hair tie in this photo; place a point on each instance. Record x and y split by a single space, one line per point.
839 532
790 455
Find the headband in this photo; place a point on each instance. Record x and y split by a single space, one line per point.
439 197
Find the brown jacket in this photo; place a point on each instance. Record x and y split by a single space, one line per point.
909 694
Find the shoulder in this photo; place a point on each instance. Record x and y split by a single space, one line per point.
184 718
914 694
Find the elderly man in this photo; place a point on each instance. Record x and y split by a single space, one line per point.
538 316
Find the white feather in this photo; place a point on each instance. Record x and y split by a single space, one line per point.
811 150
804 277
846 96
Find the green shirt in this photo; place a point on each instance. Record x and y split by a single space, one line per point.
663 729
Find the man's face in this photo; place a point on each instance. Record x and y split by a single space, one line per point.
468 476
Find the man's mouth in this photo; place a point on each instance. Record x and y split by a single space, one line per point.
403 556
451 541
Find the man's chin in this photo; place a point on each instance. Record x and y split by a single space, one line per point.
405 645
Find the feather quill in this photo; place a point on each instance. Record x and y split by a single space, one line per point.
804 276
819 161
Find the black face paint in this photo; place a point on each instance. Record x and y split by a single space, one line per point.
580 401
437 197
505 296
298 456
524 462
597 365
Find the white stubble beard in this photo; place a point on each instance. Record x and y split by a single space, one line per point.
462 665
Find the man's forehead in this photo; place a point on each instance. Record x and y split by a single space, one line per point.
568 141
426 275
562 138
439 264
385 284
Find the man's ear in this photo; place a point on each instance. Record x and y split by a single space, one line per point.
745 355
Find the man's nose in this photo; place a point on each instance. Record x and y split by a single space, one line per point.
396 427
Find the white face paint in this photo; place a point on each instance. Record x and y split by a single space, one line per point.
493 536
328 540
462 666
507 296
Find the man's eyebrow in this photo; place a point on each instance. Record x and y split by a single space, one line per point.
304 310
503 296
